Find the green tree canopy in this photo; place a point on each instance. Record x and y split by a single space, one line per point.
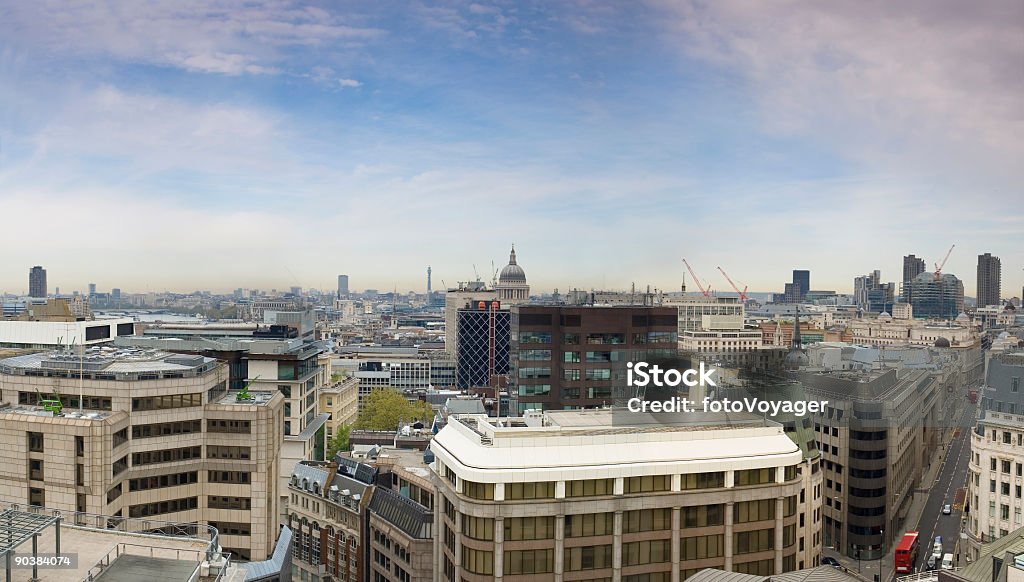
339 442
384 408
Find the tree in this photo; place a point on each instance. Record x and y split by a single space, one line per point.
339 442
384 408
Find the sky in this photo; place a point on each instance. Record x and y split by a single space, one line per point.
186 144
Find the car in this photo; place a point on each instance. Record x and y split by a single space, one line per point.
829 561
947 509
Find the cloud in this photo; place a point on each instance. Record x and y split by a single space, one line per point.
930 87
349 83
218 36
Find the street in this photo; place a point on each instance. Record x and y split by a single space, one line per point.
951 478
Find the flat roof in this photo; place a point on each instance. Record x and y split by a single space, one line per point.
68 413
593 444
93 545
132 568
256 398
108 360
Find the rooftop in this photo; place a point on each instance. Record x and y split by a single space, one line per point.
230 398
29 410
108 362
559 442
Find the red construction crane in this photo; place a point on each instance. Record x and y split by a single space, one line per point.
938 266
705 290
742 294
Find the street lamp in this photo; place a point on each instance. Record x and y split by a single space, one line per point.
881 552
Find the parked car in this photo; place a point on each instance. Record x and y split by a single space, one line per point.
947 509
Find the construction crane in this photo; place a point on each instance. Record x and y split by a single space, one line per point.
938 266
705 290
742 294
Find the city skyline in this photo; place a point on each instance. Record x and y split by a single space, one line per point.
213 145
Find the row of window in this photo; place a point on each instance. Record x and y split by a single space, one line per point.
597 487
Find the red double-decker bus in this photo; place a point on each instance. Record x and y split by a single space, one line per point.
906 553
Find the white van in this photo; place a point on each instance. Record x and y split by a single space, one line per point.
947 562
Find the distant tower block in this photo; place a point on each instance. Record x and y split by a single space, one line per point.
428 280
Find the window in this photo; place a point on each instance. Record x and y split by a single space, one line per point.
477 560
588 557
37 496
119 466
704 515
646 520
570 375
602 374
79 446
528 562
114 493
35 469
144 431
534 372
543 490
571 339
224 452
162 481
534 355
590 524
166 456
235 529
606 338
535 337
228 426
478 528
529 528
35 442
759 510
158 508
646 552
701 547
167 402
478 490
755 476
227 477
534 389
703 480
748 542
648 483
571 357
589 487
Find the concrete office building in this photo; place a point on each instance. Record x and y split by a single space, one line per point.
158 436
989 280
293 368
578 495
996 471
340 401
37 282
715 326
889 410
576 356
